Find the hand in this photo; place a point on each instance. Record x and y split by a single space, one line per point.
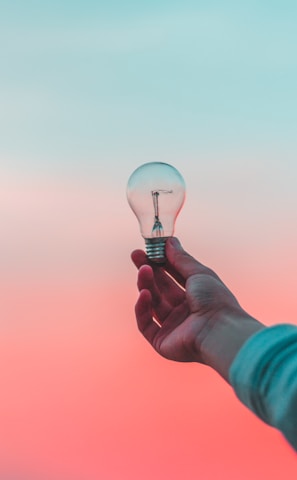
185 311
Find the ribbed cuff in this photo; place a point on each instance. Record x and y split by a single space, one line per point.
264 377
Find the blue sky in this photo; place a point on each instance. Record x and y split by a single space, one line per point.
88 82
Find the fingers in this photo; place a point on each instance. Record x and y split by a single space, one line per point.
144 316
146 281
181 265
166 293
173 293
139 258
153 332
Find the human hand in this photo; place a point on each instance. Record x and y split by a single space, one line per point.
187 313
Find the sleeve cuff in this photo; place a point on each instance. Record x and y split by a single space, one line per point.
264 377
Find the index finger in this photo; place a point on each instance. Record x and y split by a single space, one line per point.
173 293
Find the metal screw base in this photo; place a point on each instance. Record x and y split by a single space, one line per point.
155 249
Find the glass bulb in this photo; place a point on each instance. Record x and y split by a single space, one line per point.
156 193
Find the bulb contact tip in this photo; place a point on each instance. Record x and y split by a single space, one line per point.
155 249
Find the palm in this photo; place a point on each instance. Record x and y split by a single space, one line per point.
167 315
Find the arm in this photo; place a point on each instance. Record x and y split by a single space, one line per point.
187 314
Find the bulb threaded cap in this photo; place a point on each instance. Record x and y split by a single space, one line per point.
155 249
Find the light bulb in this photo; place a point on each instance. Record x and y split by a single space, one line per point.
156 193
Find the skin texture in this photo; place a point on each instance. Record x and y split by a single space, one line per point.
187 313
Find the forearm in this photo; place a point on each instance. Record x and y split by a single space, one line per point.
224 337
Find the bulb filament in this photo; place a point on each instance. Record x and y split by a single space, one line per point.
158 227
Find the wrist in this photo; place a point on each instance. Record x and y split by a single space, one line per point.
223 337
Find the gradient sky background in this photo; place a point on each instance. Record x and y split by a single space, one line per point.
88 92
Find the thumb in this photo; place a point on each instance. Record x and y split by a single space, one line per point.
181 261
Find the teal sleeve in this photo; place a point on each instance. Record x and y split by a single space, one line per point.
264 377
